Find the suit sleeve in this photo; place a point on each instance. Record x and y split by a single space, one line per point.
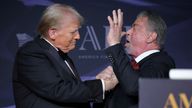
39 75
127 76
128 79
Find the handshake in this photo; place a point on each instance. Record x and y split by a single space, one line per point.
109 78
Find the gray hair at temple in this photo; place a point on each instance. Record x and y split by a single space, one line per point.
156 24
53 14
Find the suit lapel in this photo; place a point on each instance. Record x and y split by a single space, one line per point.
53 54
69 62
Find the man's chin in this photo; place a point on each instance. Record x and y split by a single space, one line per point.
71 48
127 50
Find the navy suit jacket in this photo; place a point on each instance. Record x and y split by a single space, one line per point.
41 79
125 94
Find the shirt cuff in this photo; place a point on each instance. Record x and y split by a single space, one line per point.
103 85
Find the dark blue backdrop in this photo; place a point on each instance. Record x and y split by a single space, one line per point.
19 19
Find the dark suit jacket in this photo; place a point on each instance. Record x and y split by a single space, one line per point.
41 79
125 94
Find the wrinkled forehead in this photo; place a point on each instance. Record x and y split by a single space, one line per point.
141 22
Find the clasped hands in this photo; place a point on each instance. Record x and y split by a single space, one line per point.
109 78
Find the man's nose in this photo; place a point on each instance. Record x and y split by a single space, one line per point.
77 36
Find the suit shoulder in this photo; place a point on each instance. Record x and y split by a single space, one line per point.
31 47
27 46
162 57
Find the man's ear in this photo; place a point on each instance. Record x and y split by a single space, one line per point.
52 33
152 37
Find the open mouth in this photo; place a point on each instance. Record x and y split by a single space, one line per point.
127 41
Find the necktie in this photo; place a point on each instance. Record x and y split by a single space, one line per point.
134 64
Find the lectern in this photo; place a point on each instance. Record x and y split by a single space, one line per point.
165 93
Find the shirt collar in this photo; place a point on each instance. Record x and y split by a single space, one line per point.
49 42
145 54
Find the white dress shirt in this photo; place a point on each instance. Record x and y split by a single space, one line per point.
145 54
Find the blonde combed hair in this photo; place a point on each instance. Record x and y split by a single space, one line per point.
53 14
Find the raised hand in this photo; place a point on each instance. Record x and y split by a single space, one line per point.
115 29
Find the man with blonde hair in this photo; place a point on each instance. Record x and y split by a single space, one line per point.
44 75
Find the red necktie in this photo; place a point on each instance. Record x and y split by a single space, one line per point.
134 64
